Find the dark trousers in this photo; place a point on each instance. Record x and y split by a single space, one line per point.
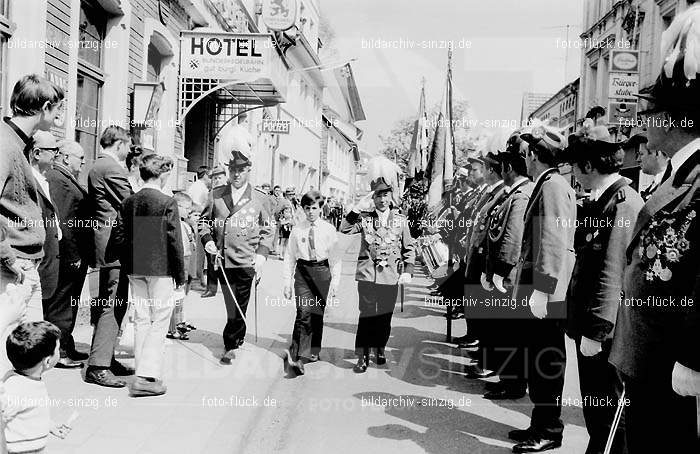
546 361
602 386
377 303
657 419
62 308
212 274
241 281
311 283
107 314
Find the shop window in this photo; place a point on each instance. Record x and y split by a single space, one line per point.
93 24
87 129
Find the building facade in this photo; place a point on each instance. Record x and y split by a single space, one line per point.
531 101
560 110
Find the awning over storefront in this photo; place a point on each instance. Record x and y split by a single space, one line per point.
239 68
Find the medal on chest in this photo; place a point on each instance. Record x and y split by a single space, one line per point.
664 243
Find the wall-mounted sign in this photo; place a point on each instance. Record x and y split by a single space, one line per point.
623 86
279 15
275 126
624 61
226 56
622 113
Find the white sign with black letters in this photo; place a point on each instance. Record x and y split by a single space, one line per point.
623 86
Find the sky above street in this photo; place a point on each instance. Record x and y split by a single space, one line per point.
502 48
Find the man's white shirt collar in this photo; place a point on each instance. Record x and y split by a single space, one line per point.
516 182
494 186
236 194
383 216
609 181
683 155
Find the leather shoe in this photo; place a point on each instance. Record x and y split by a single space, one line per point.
381 357
67 363
494 386
314 357
208 294
77 356
119 369
521 435
103 377
362 363
503 394
227 357
476 371
469 343
142 388
536 444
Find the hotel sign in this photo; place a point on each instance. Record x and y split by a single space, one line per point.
228 56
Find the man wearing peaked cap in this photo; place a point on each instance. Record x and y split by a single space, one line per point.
656 347
385 260
546 262
236 227
605 222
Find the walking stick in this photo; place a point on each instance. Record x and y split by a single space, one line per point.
219 258
402 297
257 279
697 405
616 422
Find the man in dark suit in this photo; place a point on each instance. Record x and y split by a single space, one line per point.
605 221
546 262
75 247
656 347
108 186
502 349
148 241
237 222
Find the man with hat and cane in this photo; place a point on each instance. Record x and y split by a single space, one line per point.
546 262
656 347
384 262
236 228
605 221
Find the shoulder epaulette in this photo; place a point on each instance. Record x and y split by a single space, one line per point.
621 195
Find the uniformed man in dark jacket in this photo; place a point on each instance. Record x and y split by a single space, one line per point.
656 346
605 222
504 352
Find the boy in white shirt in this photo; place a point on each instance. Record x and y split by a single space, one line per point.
33 349
312 252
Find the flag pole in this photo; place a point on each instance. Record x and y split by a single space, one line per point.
448 110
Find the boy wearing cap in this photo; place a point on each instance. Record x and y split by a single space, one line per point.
546 262
385 260
605 222
656 347
236 227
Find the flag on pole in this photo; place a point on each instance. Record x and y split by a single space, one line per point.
418 153
346 82
440 170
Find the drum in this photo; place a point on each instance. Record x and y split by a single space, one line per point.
435 255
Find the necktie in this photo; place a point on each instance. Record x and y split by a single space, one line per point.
668 171
312 244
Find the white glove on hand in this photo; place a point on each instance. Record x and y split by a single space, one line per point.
259 262
485 283
365 203
685 381
590 347
210 247
498 283
405 278
287 292
538 304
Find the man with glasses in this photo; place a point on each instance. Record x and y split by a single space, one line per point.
108 186
36 104
236 226
41 159
75 247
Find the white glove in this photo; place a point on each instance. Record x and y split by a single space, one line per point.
498 283
365 203
287 292
685 381
538 304
210 247
590 347
405 278
485 283
259 262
